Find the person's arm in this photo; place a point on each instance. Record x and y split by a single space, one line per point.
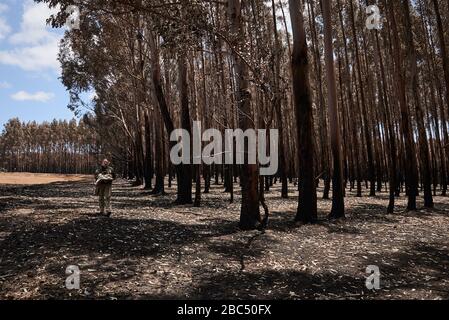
114 176
97 172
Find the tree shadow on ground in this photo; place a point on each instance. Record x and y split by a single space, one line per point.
51 197
28 247
285 285
422 267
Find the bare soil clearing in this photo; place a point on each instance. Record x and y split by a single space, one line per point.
152 249
20 178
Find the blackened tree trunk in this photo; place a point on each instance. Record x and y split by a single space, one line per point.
411 170
338 206
364 112
307 205
250 213
278 105
184 175
422 135
148 160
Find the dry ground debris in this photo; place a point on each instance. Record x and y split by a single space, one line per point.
151 249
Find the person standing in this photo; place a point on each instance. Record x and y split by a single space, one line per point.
104 176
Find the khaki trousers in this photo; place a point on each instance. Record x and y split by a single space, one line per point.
104 194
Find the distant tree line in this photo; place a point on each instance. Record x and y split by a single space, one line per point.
51 147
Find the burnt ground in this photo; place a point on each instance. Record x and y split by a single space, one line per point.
150 249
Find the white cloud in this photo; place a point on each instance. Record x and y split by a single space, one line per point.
35 45
5 85
39 96
33 58
33 28
5 29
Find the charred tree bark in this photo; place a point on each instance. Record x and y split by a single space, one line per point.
338 206
307 205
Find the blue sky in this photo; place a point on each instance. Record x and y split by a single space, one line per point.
29 70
